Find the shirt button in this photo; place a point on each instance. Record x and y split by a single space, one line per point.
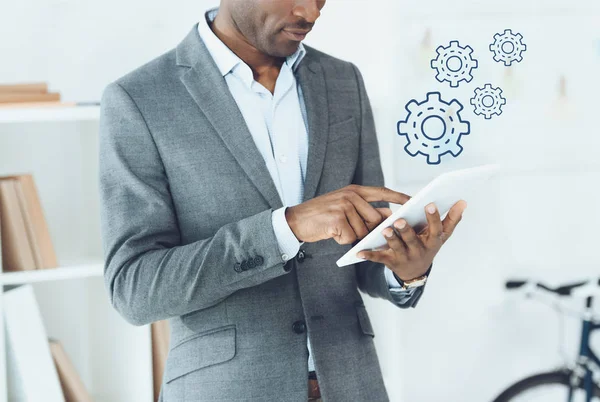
299 327
285 257
283 159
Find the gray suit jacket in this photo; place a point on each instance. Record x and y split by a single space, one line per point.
186 202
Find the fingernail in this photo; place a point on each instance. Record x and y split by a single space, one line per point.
388 232
400 224
431 208
360 255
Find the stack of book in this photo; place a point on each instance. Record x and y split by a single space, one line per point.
33 94
38 368
24 234
21 95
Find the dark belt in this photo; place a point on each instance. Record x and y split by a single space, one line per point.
313 386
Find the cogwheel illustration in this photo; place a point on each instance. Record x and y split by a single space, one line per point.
508 47
433 128
454 63
488 101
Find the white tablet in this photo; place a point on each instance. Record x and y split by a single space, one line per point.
445 190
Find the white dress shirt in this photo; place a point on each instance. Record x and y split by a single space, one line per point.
277 122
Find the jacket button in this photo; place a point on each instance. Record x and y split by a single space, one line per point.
244 265
299 327
287 267
237 267
251 263
259 260
302 255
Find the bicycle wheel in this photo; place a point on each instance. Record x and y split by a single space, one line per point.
545 387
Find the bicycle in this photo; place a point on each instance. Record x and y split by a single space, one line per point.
575 381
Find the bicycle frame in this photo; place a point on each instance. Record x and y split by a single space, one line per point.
586 353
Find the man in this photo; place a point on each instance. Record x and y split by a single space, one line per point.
235 170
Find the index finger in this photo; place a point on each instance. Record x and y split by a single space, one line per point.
371 194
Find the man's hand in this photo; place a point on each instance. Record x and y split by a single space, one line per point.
409 254
344 215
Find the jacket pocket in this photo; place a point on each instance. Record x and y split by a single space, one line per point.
363 319
200 350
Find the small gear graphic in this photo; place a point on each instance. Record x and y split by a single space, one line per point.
454 63
488 101
508 47
433 128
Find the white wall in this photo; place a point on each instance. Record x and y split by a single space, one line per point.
467 339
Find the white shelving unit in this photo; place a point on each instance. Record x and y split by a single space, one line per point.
58 145
49 114
79 271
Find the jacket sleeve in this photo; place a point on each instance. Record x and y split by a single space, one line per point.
148 273
370 276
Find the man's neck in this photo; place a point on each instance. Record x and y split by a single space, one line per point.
265 68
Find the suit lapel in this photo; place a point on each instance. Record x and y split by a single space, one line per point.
312 81
208 88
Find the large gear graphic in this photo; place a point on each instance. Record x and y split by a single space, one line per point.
454 63
488 101
433 128
508 47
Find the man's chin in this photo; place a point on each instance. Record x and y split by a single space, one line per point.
284 48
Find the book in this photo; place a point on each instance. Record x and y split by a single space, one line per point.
72 386
17 253
35 247
31 374
161 333
33 87
38 230
28 97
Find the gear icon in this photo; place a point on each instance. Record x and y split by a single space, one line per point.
454 63
433 128
488 101
508 47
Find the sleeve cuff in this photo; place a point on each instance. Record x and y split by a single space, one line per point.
286 240
404 298
391 279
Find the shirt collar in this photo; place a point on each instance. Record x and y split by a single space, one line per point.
224 58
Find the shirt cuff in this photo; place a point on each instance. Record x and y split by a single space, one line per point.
286 240
391 279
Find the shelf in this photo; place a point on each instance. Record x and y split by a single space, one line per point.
49 114
93 269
